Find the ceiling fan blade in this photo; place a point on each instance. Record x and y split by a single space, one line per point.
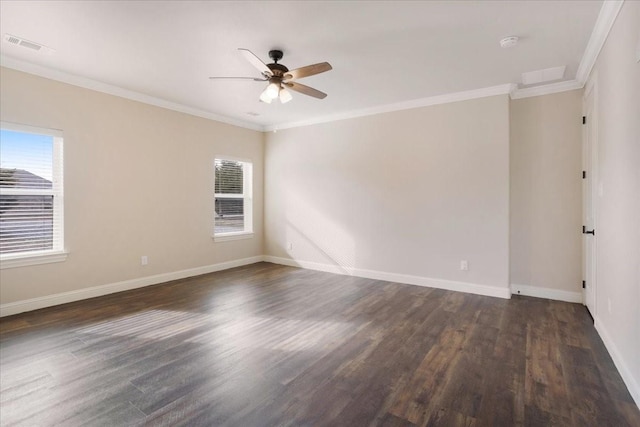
238 78
307 71
255 61
305 90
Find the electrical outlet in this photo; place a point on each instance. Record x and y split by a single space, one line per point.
290 246
464 265
144 260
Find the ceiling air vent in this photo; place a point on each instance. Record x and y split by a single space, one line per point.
27 44
12 39
543 76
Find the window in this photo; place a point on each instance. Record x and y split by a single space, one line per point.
31 196
233 199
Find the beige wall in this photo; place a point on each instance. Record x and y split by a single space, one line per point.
617 76
138 181
410 192
546 191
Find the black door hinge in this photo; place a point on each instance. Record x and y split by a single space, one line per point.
584 120
584 231
584 174
584 284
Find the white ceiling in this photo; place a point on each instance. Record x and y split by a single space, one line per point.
382 52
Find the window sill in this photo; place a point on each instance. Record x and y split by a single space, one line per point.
14 261
232 236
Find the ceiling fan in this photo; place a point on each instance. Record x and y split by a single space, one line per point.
280 78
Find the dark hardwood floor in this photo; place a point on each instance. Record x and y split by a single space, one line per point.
268 345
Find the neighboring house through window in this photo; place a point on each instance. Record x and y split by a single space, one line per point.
233 216
31 196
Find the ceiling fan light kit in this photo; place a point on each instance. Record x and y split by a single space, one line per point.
280 78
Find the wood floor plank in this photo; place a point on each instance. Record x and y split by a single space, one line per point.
270 345
503 401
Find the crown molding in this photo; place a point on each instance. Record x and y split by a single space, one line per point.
546 89
604 23
87 83
504 89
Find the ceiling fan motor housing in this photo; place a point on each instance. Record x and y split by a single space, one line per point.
278 70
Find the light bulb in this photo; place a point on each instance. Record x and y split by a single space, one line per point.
272 90
285 96
264 97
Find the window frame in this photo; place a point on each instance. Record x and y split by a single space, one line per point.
246 195
58 252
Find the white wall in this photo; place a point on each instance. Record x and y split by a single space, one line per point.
138 181
546 194
412 192
617 76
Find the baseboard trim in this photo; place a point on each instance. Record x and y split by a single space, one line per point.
471 288
625 372
548 293
96 291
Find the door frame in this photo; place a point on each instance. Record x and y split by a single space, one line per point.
590 186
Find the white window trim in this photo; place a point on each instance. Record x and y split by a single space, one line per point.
57 253
237 235
247 196
32 258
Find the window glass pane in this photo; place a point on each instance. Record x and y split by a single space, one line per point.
228 179
229 215
26 223
26 160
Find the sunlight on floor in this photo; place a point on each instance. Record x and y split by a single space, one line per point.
237 331
275 334
152 324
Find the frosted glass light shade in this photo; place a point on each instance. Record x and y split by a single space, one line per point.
285 96
264 97
272 90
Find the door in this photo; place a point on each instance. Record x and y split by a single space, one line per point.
589 182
